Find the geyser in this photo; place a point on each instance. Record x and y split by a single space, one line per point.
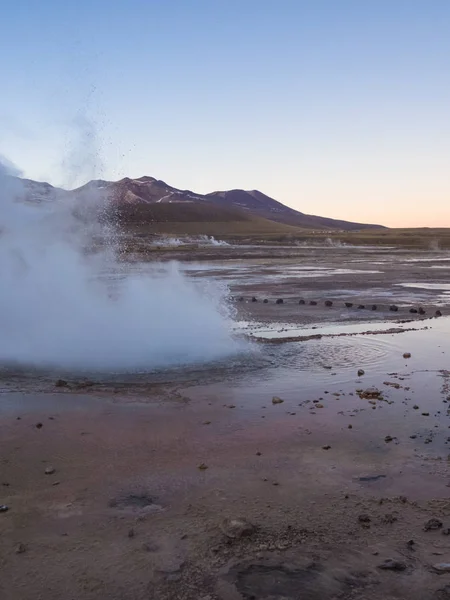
64 305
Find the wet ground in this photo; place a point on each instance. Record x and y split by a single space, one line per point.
291 471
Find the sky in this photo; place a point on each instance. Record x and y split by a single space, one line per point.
339 108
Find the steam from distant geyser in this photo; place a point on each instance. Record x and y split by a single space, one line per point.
64 306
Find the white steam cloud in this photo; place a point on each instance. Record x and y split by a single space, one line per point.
64 305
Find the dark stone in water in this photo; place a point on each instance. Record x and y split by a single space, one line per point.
313 303
422 311
349 304
265 301
438 313
3 508
279 301
374 307
328 303
254 299
61 383
413 311
301 301
361 306
241 299
132 501
393 308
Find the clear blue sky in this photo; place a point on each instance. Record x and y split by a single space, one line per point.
335 107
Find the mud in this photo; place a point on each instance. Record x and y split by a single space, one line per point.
145 467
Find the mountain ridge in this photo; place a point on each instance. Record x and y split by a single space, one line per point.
129 194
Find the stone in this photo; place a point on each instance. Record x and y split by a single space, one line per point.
203 467
442 567
319 405
349 304
433 524
131 533
3 508
416 407
20 549
328 303
364 518
407 355
313 303
301 302
393 308
446 531
276 400
388 439
438 313
413 311
425 414
265 301
361 306
374 307
389 518
361 372
422 311
279 301
50 470
370 393
254 299
391 564
38 425
350 426
236 528
326 447
61 383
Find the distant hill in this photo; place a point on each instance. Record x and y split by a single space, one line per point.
147 201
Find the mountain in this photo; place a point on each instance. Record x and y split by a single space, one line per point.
150 200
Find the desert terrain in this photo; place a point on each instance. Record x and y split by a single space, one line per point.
312 463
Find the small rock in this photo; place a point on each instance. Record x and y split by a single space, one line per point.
407 355
389 518
61 383
131 533
446 531
237 528
364 518
374 307
276 400
388 439
38 426
349 304
206 422
279 301
203 467
425 414
393 308
301 301
361 372
392 565
433 524
3 508
319 405
20 549
254 299
258 453
415 407
326 447
350 426
313 303
413 436
50 470
328 303
361 306
265 301
413 311
442 567
422 311
438 313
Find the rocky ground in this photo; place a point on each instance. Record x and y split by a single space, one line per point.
317 470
